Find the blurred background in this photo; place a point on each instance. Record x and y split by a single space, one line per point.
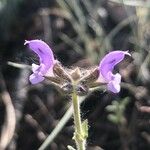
80 32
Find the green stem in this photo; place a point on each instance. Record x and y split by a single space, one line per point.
78 134
59 126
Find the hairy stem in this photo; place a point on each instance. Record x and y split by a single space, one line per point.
78 134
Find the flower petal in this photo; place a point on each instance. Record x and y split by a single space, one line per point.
44 52
106 67
114 84
46 60
113 87
35 68
109 61
35 78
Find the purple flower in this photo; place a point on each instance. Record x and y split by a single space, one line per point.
106 68
46 57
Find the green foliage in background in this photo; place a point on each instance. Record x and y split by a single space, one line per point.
116 110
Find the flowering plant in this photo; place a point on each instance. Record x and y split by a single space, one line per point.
75 82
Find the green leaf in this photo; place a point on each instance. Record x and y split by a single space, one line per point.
117 109
125 101
111 108
113 118
85 128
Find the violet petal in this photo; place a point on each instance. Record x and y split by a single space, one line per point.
46 57
109 61
114 85
106 67
35 78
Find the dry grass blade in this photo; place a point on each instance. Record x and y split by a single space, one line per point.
135 3
145 109
8 128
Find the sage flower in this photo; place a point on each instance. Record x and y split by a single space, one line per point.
46 60
106 68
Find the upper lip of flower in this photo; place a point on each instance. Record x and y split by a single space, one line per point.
46 57
107 65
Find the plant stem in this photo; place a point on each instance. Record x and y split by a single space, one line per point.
59 126
78 134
